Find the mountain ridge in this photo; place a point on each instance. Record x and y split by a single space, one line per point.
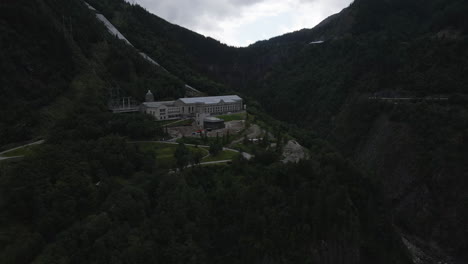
387 47
414 152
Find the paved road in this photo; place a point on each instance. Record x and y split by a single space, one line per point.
212 162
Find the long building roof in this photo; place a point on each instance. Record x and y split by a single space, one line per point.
211 99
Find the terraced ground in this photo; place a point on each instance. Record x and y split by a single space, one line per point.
224 155
232 117
164 153
19 151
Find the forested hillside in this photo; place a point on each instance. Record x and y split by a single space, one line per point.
88 195
417 149
382 175
91 197
54 55
413 49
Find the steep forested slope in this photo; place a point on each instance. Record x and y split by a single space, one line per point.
55 53
60 64
87 195
417 149
179 50
98 199
391 48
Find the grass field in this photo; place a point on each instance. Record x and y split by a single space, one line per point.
165 153
20 152
224 155
232 117
250 148
175 123
164 122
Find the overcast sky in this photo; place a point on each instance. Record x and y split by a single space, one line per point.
243 22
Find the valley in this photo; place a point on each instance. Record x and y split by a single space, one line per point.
353 147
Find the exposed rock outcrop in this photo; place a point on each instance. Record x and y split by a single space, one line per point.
294 152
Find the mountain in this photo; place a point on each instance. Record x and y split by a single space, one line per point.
413 49
54 55
385 184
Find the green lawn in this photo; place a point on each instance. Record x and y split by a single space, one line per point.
250 148
196 140
175 123
20 152
165 152
186 122
232 117
224 155
165 122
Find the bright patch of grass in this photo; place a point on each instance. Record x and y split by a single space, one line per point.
19 152
165 153
224 155
249 148
232 117
164 122
185 122
175 123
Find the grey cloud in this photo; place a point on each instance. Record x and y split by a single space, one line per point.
205 16
196 13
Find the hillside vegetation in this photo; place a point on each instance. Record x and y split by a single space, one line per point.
379 172
383 48
54 55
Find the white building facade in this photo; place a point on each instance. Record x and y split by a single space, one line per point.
190 107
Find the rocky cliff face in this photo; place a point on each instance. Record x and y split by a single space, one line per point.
427 193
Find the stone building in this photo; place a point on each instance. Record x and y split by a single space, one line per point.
190 107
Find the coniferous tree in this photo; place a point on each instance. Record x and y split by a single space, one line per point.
182 156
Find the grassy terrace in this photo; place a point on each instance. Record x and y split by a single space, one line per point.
224 155
165 153
23 151
175 123
233 117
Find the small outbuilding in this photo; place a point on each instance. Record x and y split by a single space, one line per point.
213 123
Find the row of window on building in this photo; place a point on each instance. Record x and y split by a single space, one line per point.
224 108
176 112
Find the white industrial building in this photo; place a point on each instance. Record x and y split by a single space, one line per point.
192 107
